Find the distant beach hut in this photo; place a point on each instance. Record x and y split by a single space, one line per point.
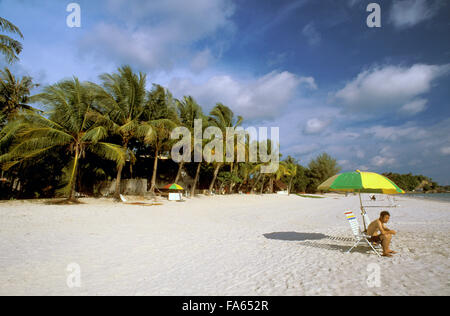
361 182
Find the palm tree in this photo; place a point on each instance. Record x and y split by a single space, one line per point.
68 125
188 112
122 98
160 118
257 169
2 120
9 47
222 117
244 172
14 93
290 170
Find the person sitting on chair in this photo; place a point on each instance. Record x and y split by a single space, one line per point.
381 234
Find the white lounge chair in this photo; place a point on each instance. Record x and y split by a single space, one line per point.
357 233
367 221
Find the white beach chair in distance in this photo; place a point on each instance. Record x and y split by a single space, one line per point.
357 233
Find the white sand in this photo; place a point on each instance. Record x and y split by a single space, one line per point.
224 245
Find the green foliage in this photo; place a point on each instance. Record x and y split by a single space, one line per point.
300 181
69 126
160 104
225 178
320 169
189 111
14 95
9 47
92 132
410 182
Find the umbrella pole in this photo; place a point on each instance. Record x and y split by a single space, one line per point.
363 211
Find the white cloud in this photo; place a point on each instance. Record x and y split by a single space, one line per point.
259 98
388 88
201 61
309 81
276 59
445 150
395 133
316 126
312 35
380 161
343 163
407 13
158 34
301 150
352 3
414 107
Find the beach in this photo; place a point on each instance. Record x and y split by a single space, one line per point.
220 245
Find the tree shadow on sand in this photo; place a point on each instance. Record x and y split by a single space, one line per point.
63 202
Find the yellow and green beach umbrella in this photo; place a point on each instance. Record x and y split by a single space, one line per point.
173 186
363 182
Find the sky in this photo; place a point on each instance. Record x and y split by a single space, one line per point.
375 99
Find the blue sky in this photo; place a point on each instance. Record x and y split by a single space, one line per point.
376 99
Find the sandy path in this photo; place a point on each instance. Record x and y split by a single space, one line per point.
227 245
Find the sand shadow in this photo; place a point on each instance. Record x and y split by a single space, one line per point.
362 248
294 236
310 240
63 202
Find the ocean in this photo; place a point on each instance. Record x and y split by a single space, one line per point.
431 196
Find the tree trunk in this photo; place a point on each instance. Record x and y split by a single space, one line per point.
73 177
119 176
262 184
155 168
255 183
241 184
197 175
216 171
290 185
180 168
118 179
231 182
271 185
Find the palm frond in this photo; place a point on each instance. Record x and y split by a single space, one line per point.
10 48
7 26
109 151
95 135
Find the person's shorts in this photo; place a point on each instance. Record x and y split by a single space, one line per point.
375 239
